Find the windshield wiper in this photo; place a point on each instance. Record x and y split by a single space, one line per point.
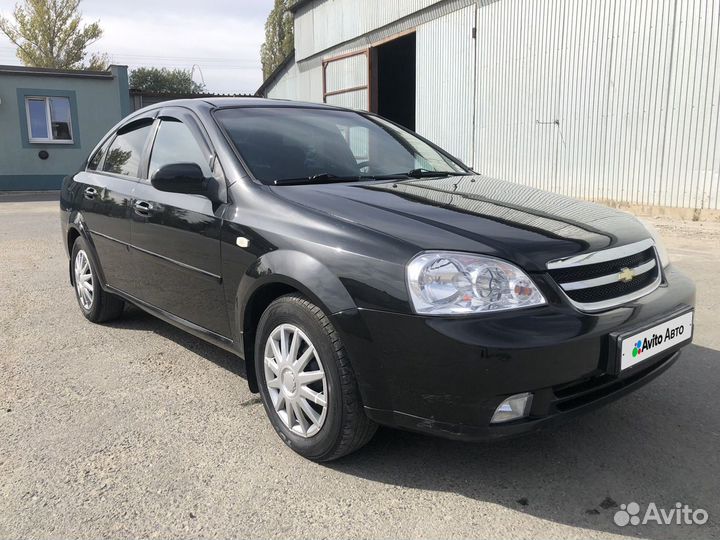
328 178
419 173
425 173
323 178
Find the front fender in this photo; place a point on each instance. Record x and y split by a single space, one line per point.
275 272
295 269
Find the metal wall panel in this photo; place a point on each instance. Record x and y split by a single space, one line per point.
352 100
518 74
410 22
285 85
446 82
691 165
613 101
298 82
347 72
324 24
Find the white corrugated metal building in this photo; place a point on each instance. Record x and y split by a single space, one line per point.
610 100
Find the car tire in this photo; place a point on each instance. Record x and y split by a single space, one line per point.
96 304
327 432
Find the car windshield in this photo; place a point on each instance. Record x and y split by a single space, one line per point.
284 144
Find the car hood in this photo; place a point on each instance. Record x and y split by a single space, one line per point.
475 214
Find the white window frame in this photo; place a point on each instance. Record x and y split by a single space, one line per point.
48 119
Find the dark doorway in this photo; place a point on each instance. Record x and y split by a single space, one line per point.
394 80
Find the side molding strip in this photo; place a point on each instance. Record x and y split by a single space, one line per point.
168 259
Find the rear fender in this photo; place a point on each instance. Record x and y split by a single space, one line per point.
77 227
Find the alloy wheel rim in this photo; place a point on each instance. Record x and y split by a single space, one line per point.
295 380
84 280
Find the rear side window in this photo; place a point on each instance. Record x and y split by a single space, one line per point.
96 158
125 152
175 143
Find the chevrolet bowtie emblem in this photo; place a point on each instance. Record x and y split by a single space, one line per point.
625 275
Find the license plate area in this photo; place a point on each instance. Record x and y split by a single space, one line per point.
634 348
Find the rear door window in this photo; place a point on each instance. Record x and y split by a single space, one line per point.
94 161
125 152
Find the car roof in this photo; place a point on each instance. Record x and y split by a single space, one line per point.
230 102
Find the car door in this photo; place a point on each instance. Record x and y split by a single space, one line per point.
176 236
105 197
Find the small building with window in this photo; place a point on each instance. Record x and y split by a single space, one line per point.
50 120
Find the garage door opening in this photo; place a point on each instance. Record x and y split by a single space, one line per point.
393 80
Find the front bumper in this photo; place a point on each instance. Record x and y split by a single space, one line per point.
447 376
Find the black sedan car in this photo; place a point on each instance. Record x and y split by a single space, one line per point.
365 275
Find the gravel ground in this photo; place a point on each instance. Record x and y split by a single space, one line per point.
135 429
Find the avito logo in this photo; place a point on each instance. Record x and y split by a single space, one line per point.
682 514
656 339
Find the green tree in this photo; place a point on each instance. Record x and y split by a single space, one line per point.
279 37
165 81
49 33
116 160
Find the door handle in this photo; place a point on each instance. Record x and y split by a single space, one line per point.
90 192
143 208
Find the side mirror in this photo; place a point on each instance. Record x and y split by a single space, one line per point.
180 178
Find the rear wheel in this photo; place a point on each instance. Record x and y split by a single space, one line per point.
306 382
96 304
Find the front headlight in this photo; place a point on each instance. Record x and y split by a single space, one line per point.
452 283
659 244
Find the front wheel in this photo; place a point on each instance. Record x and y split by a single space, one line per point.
306 382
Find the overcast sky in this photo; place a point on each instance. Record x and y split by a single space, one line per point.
222 37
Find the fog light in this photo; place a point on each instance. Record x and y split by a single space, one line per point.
514 407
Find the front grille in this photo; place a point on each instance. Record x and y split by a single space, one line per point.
593 286
589 271
613 290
